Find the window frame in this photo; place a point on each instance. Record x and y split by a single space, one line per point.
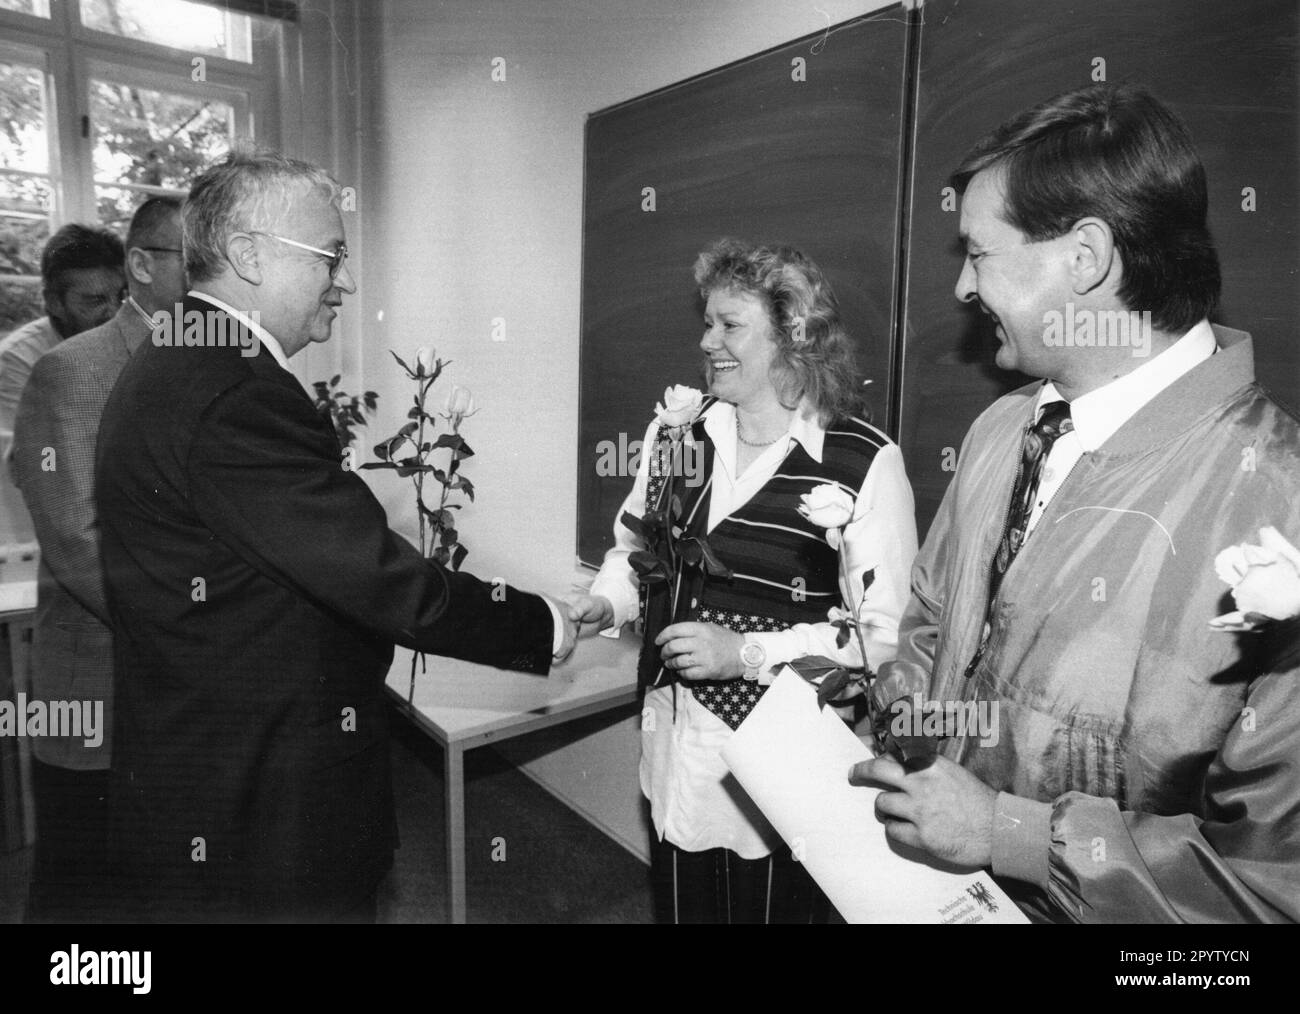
17 48
70 54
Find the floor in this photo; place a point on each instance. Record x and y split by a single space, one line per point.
530 859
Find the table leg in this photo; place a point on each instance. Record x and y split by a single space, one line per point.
455 795
20 635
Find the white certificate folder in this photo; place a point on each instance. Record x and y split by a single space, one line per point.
793 759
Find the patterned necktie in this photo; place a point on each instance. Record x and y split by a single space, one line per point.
1039 438
1038 442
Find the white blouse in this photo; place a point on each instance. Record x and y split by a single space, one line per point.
695 802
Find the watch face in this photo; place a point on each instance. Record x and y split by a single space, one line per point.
752 655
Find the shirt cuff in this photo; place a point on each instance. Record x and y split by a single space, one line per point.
622 595
1022 836
557 626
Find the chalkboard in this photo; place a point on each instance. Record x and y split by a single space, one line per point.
851 165
798 145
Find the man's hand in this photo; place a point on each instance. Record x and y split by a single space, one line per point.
570 630
702 651
943 809
591 613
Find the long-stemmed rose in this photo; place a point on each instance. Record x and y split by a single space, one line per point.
439 538
830 507
670 556
459 405
680 407
1265 581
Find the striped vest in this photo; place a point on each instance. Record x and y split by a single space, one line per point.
783 570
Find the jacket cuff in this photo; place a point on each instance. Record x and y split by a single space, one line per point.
1022 837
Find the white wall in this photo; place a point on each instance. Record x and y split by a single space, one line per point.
471 209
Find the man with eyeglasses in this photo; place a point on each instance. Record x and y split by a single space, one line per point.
72 650
82 287
257 592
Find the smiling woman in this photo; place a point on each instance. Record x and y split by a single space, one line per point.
783 416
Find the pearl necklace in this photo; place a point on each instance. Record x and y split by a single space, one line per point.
750 443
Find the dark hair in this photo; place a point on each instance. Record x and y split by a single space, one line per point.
1117 153
245 192
815 358
75 247
149 219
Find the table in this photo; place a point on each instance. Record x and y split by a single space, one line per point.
463 706
17 612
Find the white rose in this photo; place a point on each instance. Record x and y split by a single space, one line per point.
1265 579
460 403
425 357
830 507
680 406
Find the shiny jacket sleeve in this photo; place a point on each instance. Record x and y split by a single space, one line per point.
918 630
1241 863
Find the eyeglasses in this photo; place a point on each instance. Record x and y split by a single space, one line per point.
160 249
335 257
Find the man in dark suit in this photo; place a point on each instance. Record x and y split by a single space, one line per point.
72 651
255 589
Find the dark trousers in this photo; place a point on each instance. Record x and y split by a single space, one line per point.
70 876
717 886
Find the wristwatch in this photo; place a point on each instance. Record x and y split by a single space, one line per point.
752 656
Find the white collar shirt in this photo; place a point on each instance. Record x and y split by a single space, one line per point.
1100 413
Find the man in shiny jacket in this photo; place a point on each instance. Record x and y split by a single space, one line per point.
1147 765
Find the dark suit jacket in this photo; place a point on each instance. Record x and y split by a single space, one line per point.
256 593
72 651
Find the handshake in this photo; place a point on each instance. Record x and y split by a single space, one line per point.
582 615
694 650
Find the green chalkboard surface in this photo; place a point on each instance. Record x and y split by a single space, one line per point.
1231 71
797 145
851 164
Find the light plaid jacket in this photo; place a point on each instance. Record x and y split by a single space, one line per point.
53 463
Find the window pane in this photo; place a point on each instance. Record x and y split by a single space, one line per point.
116 205
196 28
25 193
41 8
24 229
154 138
24 143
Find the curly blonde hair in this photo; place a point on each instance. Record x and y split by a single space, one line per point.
815 357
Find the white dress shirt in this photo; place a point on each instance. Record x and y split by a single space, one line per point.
263 335
1098 414
695 802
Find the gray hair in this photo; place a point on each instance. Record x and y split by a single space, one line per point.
246 192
